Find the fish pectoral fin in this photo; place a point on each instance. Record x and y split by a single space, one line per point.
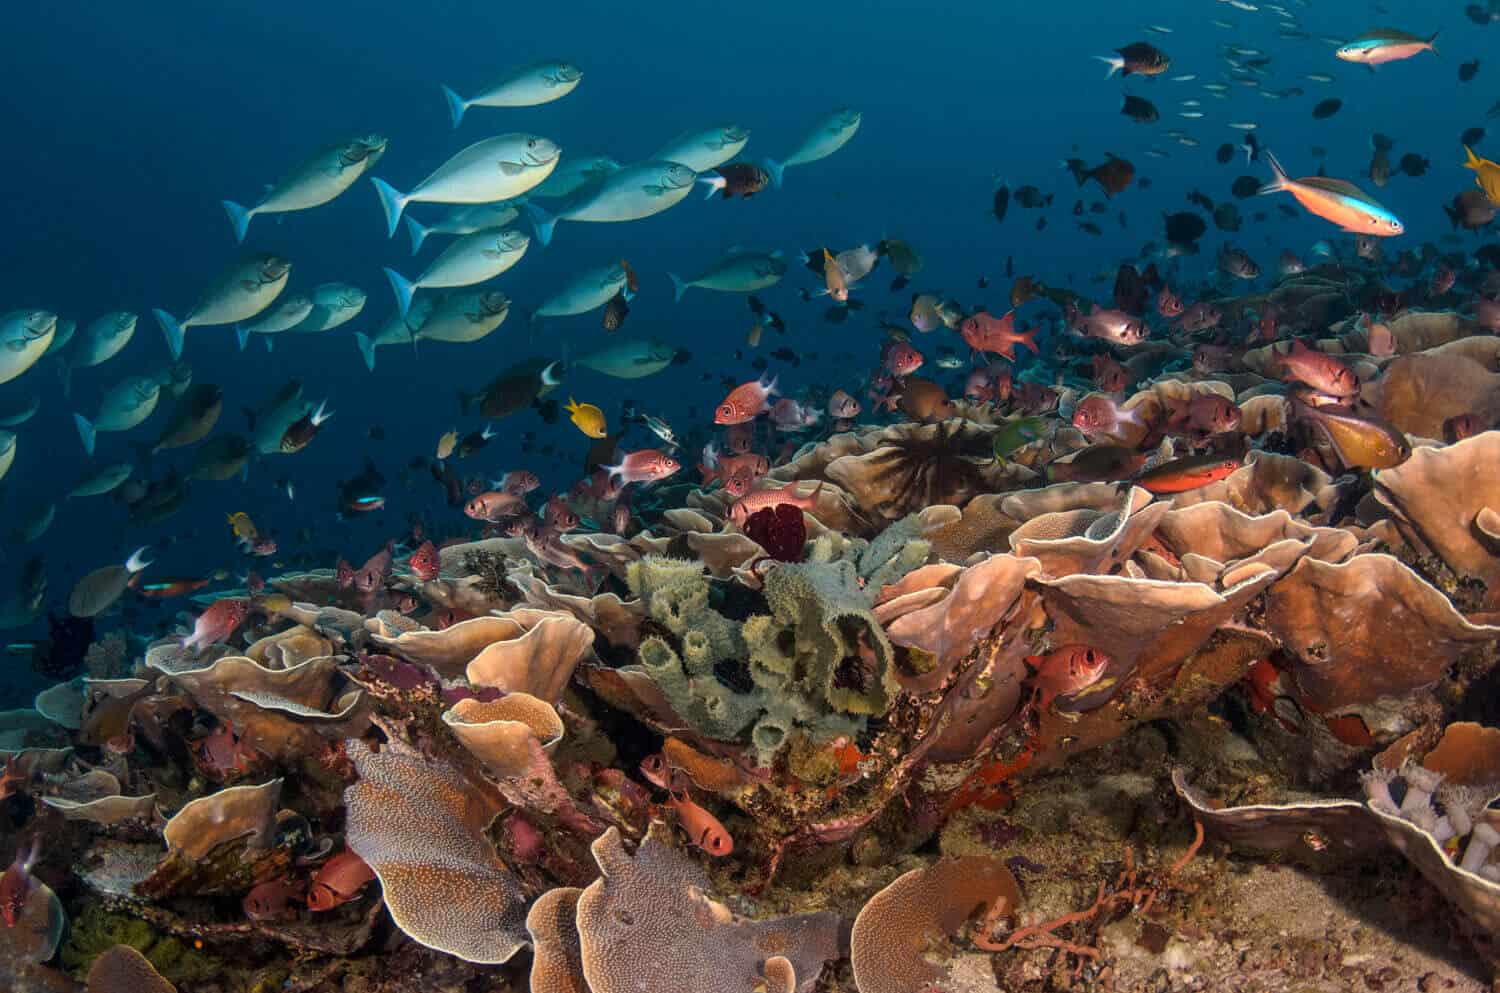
512 168
654 190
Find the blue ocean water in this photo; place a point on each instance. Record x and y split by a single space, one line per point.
127 124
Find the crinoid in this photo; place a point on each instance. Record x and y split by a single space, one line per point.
912 466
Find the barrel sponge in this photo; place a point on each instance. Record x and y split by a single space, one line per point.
893 553
843 655
677 594
699 698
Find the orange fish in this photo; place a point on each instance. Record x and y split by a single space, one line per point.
1187 473
704 828
1335 200
338 881
1065 671
986 333
745 402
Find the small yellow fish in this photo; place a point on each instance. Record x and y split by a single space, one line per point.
1487 175
242 526
446 444
590 419
753 338
833 278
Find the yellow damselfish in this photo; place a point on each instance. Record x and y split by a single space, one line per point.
1487 175
590 419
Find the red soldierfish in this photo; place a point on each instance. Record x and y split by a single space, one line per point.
745 402
1065 671
1323 372
644 466
1168 304
17 882
424 562
983 332
217 623
1114 325
271 900
338 881
519 482
704 828
557 515
493 505
761 499
372 575
1109 375
1098 414
900 359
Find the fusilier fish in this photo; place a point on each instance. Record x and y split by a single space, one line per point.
828 136
498 168
701 151
628 194
1384 45
526 86
124 405
471 259
241 292
1335 200
315 182
737 272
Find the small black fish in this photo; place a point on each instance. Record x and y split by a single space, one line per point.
775 321
836 315
1198 199
899 283
1468 71
784 354
1001 202
1327 108
1227 217
756 307
1078 208
1031 198
1246 186
1477 14
1041 223
984 283
1010 266
1184 227
1224 154
759 365
1090 227
1414 165
1139 109
1251 147
1471 137
1144 182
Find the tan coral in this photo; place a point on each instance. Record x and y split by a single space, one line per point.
617 621
891 946
497 732
557 959
288 649
1364 629
1467 754
420 825
122 969
1438 497
1087 538
538 660
948 630
648 922
1417 393
1268 481
240 812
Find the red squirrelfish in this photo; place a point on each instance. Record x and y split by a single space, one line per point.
1200 317
1114 325
761 499
338 881
900 359
557 515
217 623
17 882
745 402
1098 414
495 505
983 332
1109 375
372 575
424 562
519 482
843 406
702 827
1068 670
1323 372
789 415
270 900
1168 304
644 466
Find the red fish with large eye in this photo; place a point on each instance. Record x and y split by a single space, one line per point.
271 900
424 562
983 332
1323 372
745 402
217 623
17 882
338 881
1068 670
702 827
558 516
645 466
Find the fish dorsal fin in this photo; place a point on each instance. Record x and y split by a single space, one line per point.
1340 186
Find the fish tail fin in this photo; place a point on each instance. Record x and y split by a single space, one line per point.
242 336
366 349
1473 161
775 169
393 201
86 432
714 184
1279 178
172 330
1028 340
1432 42
549 375
403 288
678 287
418 232
456 105
1115 63
542 222
239 219
1453 216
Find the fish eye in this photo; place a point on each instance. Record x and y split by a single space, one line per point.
1088 656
